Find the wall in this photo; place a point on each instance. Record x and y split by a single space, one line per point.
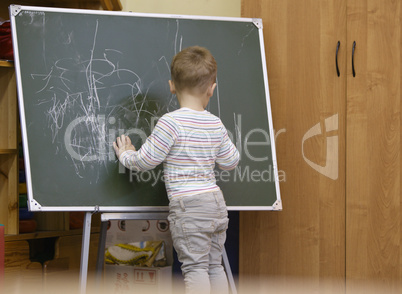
189 7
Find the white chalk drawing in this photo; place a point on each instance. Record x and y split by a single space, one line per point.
83 121
77 93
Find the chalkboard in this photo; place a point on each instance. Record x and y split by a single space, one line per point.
85 77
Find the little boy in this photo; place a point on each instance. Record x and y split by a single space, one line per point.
189 141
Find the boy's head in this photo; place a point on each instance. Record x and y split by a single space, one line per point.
193 69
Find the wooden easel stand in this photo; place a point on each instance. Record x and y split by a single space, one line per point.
105 217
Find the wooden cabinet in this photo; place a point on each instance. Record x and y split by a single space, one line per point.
373 146
8 149
338 142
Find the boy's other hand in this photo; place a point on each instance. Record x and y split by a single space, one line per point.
122 144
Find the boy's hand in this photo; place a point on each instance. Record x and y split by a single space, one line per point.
122 144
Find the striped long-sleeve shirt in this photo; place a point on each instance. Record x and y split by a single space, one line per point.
189 143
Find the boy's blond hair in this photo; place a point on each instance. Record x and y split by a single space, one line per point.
193 68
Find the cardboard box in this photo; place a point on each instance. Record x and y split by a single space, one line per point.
132 279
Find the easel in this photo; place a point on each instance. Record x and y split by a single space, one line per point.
105 217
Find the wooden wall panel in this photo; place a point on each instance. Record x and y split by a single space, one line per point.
307 239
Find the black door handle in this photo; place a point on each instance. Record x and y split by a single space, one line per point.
336 58
353 58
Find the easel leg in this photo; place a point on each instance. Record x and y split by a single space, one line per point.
229 272
86 235
101 252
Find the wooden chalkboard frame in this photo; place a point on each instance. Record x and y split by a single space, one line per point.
35 204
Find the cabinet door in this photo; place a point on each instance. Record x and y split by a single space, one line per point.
307 239
373 215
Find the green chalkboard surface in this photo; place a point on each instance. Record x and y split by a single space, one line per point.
85 77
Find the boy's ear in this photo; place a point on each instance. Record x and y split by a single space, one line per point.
211 90
172 87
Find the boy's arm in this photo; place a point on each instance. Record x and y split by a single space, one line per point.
154 150
228 156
